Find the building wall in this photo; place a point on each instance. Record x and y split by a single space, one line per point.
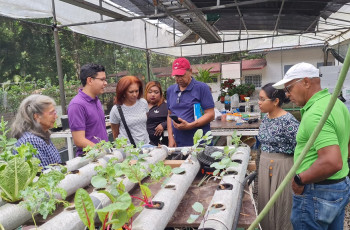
276 60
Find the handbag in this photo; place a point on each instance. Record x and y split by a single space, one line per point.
125 125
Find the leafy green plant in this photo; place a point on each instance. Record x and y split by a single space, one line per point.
97 150
18 173
204 75
6 144
40 198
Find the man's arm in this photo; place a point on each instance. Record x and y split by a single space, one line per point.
207 117
171 138
80 139
329 162
115 130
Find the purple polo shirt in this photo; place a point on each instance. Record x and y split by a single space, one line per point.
85 113
181 104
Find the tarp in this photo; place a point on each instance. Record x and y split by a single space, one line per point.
147 34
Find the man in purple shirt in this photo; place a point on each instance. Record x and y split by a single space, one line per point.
181 98
85 112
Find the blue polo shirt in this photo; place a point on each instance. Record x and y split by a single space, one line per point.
86 114
181 104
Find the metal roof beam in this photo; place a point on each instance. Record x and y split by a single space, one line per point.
95 8
278 18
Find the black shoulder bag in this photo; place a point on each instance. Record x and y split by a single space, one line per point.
125 125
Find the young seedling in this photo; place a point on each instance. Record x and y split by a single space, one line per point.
97 150
225 162
198 207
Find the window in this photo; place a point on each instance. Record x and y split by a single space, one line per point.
319 64
253 79
286 68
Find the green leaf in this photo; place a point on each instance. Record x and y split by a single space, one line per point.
197 136
178 170
214 211
216 154
98 181
145 190
85 207
192 218
122 203
121 219
14 178
198 207
225 161
109 195
216 172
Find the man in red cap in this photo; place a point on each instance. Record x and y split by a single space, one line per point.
181 99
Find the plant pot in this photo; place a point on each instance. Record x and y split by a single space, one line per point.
241 97
222 99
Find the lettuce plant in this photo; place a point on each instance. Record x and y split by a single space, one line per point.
18 173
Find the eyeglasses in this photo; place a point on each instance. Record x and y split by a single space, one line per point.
52 113
101 79
178 97
288 88
264 99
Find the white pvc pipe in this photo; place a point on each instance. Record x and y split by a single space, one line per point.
171 195
226 200
13 215
69 220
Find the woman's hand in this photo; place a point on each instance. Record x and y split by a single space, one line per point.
159 130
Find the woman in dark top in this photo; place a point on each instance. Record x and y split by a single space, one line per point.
277 134
158 112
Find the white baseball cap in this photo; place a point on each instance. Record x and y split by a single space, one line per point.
297 71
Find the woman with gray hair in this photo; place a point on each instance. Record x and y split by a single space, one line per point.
35 117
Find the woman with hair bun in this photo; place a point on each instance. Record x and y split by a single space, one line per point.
277 134
158 113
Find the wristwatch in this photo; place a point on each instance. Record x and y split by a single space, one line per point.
298 181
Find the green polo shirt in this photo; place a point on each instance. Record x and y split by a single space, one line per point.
336 131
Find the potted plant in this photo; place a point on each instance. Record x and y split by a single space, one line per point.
222 97
205 76
245 90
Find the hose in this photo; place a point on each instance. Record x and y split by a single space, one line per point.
308 145
249 178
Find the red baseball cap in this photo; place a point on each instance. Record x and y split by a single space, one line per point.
180 65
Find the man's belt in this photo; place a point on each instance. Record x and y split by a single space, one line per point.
329 181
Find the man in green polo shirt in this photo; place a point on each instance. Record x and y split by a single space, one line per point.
321 186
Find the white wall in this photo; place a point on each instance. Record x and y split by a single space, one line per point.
276 60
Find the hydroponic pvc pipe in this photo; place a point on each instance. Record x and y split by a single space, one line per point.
225 201
13 215
79 162
171 195
69 220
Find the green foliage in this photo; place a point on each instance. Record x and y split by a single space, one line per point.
236 139
245 89
205 76
97 150
198 207
18 173
40 197
6 144
159 170
85 208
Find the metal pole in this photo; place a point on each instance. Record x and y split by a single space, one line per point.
58 61
147 57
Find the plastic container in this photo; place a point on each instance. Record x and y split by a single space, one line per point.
227 102
230 117
235 101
